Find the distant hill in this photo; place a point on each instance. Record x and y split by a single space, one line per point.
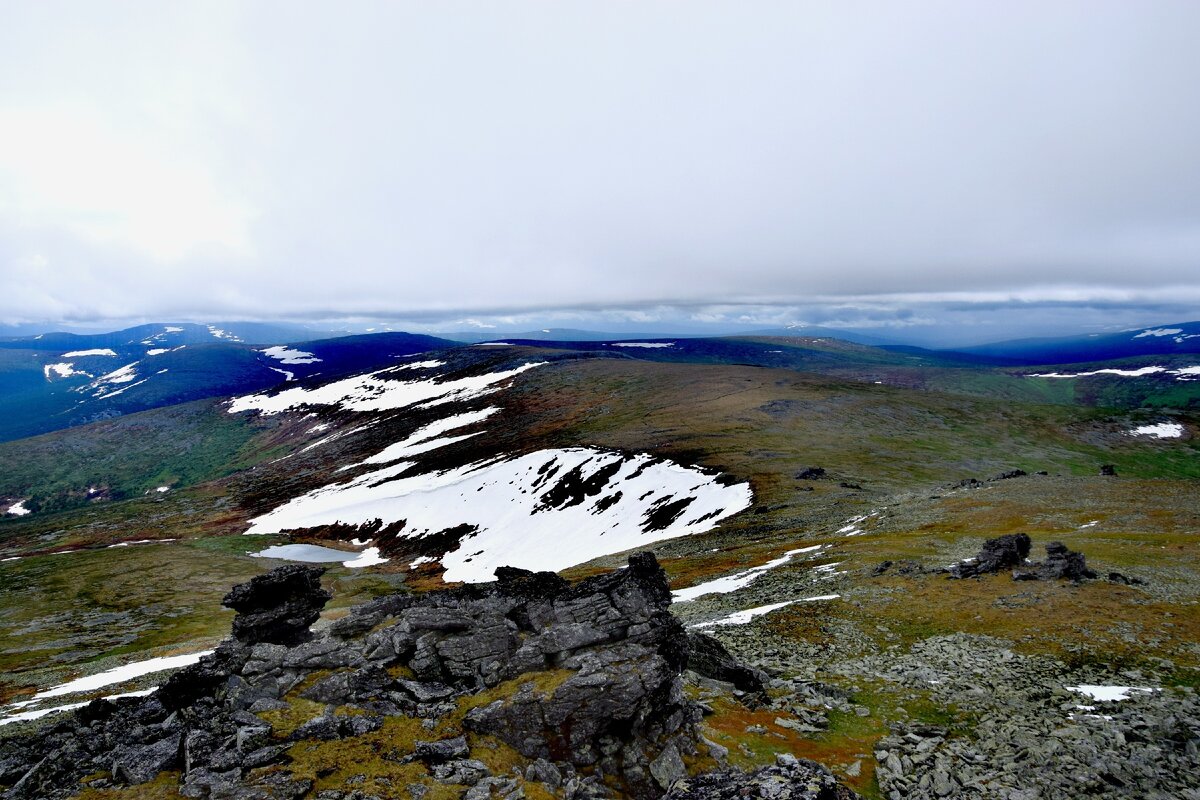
166 335
61 380
1170 339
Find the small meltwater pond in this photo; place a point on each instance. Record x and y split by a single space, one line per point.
311 553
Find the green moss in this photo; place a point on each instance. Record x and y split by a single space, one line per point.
164 787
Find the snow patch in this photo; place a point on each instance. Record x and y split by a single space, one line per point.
368 558
649 345
99 351
286 355
1159 332
222 334
743 617
731 583
374 392
121 674
63 370
1125 373
1161 430
425 439
1109 694
434 364
18 509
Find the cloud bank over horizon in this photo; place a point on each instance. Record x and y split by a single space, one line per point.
888 166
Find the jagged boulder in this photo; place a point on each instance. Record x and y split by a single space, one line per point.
1061 563
1003 552
278 607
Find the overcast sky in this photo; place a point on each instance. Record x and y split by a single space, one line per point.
453 161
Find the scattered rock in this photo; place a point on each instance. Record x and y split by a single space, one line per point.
708 657
790 779
810 474
1108 470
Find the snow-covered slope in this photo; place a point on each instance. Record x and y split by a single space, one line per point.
545 510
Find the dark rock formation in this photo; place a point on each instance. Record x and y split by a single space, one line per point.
584 675
708 657
790 779
1108 470
1009 475
1003 552
810 474
278 607
1127 580
1061 563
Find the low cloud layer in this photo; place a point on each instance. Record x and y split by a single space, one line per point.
413 161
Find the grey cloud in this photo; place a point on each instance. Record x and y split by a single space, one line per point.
433 161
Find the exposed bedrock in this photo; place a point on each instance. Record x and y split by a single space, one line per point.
583 680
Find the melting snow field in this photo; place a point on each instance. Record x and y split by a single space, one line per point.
544 511
651 345
1163 430
374 392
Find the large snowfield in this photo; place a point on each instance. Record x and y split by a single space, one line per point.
545 510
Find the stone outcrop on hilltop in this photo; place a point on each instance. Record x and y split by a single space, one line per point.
582 681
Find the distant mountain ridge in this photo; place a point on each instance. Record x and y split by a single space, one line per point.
56 381
1168 339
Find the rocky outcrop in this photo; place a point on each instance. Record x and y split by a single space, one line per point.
1061 563
790 779
1003 552
279 607
583 680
